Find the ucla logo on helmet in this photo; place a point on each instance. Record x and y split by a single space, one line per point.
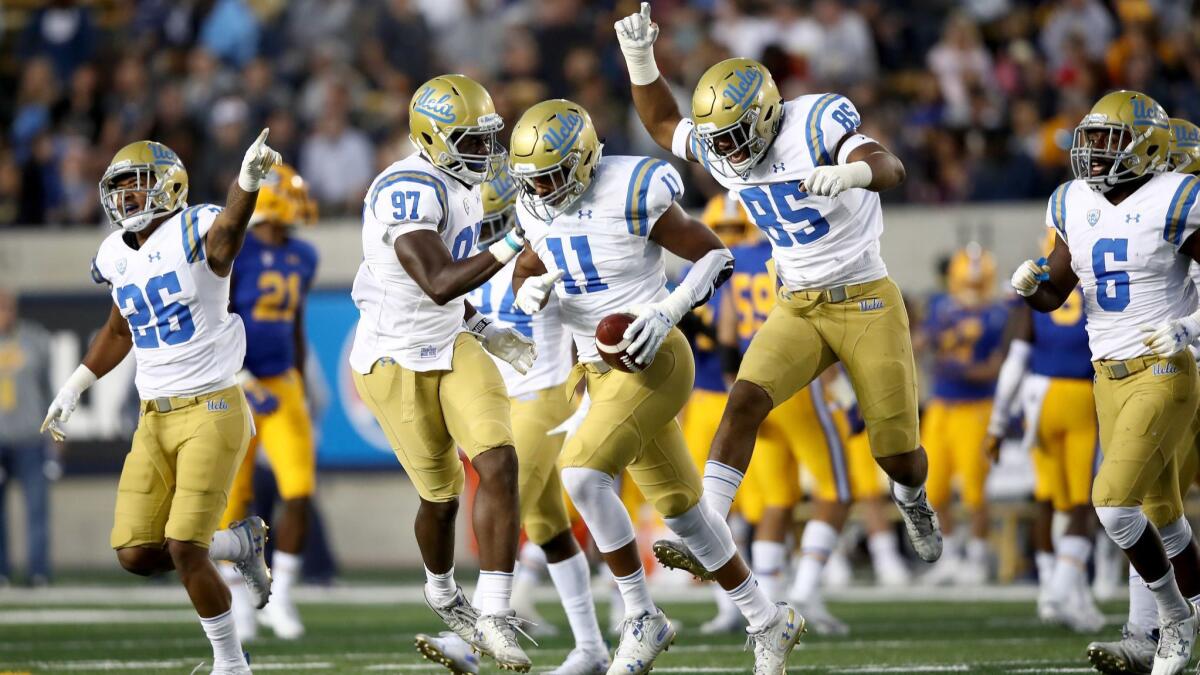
504 186
439 109
162 154
1185 136
743 88
1093 217
561 138
1147 112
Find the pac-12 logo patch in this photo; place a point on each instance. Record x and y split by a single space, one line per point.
1093 217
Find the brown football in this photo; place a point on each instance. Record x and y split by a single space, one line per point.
611 342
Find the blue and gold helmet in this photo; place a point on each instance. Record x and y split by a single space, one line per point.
1184 155
553 155
1125 136
154 170
736 108
499 199
453 122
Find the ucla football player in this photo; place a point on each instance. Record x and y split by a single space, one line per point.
810 181
419 356
270 281
168 270
606 257
1124 229
540 403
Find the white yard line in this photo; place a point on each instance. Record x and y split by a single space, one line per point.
27 617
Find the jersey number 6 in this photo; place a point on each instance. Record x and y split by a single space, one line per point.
1112 287
771 212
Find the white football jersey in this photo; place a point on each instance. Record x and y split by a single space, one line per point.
817 242
603 244
185 341
495 300
1127 257
396 318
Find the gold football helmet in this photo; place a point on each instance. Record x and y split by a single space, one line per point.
737 109
726 216
283 199
453 122
1184 155
156 172
553 155
971 277
1124 137
499 199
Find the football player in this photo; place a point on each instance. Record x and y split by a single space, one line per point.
1048 364
423 371
606 254
965 331
270 281
1134 652
1124 228
811 183
168 268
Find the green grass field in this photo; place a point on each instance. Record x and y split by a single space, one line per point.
374 635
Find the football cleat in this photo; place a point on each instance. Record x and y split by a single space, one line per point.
283 619
724 623
943 573
584 661
820 620
774 642
253 567
231 670
921 524
448 650
1131 655
459 615
643 638
675 556
1175 640
496 636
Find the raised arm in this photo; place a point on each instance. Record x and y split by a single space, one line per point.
652 96
228 232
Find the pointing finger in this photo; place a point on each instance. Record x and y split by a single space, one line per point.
646 11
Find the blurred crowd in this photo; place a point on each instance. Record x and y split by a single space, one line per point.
978 97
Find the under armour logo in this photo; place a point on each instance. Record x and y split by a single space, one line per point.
777 167
153 257
1133 218
585 214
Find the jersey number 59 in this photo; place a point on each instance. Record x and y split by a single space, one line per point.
771 212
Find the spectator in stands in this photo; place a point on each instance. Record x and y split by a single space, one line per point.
24 395
960 62
1088 19
64 33
230 31
336 159
217 161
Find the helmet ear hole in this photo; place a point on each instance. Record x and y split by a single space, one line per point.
1152 150
427 138
770 112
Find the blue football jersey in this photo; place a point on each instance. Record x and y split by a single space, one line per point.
963 337
269 286
752 287
1060 341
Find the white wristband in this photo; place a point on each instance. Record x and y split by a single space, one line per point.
81 379
642 68
504 249
858 174
680 141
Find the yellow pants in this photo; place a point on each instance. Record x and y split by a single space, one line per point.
1067 453
701 417
543 509
425 415
953 433
285 435
177 475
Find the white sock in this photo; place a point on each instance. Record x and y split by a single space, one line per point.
977 551
721 483
753 603
1070 564
721 598
883 548
1171 604
952 548
222 633
906 494
285 569
635 594
440 587
532 560
768 557
241 605
572 582
1045 568
493 593
1143 611
227 545
816 545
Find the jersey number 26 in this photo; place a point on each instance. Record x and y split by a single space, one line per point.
169 322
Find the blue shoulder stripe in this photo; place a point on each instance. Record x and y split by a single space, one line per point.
413 177
816 136
1058 209
1181 206
635 196
189 225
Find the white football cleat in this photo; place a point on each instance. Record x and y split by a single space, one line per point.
818 618
282 617
774 642
837 572
971 574
921 524
253 567
583 661
539 627
892 574
1175 640
496 636
1133 654
1083 616
459 615
231 670
643 638
942 573
448 650
724 623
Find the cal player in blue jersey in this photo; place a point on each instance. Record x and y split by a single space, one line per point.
964 331
271 279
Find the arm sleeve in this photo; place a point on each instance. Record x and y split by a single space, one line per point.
408 201
653 187
1012 371
1056 210
831 118
682 139
1183 219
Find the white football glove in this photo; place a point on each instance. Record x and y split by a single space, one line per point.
507 247
1171 337
636 34
648 330
504 343
831 181
531 296
65 401
1027 277
257 163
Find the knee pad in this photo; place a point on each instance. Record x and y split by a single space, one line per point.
1176 536
1124 524
596 500
705 534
